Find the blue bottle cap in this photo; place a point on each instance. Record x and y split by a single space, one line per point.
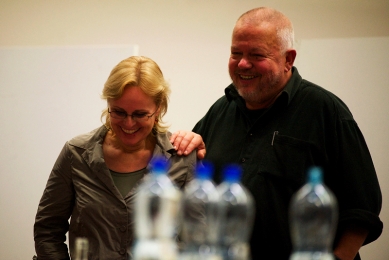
315 175
232 173
159 165
204 170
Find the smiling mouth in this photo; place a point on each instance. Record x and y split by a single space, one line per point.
130 131
246 76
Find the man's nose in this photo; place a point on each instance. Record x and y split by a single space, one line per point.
244 63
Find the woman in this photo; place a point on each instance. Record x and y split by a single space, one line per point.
94 179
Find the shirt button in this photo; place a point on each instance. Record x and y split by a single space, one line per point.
123 228
242 160
122 251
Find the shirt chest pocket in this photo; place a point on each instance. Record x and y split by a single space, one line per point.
286 159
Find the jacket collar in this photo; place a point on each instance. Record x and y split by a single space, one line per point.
92 143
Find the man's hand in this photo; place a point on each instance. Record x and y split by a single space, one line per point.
185 142
350 242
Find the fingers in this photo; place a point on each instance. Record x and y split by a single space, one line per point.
173 138
185 142
180 141
201 153
187 146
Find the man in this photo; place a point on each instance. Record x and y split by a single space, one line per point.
276 125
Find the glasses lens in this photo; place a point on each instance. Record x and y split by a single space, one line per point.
118 114
139 116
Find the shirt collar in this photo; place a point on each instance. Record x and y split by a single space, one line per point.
286 96
292 85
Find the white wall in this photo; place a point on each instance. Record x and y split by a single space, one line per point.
342 45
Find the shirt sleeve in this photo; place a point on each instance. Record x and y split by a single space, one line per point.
357 188
54 211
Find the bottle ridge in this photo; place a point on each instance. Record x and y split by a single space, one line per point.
156 210
313 217
81 249
201 217
239 211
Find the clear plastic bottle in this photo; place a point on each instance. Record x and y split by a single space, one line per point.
81 248
313 217
201 217
239 211
156 215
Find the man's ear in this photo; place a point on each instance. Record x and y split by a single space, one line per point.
290 56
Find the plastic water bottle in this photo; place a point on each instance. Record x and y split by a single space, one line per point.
313 217
156 216
239 211
81 249
201 217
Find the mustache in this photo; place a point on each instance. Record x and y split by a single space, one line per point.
244 71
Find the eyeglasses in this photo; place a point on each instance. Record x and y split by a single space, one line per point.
137 116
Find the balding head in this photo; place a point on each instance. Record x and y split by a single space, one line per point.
268 17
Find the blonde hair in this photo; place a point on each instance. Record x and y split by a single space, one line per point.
142 72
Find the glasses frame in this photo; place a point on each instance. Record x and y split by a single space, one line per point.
133 118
